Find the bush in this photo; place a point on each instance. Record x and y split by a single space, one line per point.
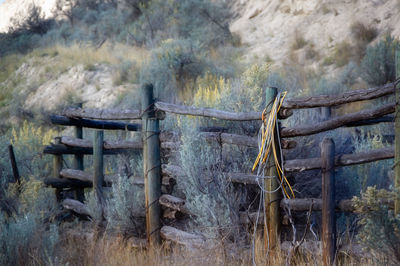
363 33
27 232
378 64
175 65
379 227
209 194
125 207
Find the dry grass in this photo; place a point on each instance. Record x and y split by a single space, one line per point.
87 55
298 41
78 250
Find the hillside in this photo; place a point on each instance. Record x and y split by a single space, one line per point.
310 31
318 36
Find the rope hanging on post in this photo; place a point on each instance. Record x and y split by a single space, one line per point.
265 143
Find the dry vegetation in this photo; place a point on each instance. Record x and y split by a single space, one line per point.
186 50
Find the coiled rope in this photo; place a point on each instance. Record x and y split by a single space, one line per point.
266 142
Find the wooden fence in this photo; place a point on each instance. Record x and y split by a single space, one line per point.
157 175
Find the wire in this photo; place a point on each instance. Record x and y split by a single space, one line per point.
266 145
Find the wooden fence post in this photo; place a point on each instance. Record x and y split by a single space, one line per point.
397 135
78 160
14 164
98 178
272 200
326 113
328 201
57 167
151 165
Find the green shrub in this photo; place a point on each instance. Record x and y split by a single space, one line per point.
28 233
209 194
175 65
378 64
343 53
379 227
125 207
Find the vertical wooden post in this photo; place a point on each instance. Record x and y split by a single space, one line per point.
57 166
151 165
98 178
272 200
78 160
328 202
326 113
397 135
14 164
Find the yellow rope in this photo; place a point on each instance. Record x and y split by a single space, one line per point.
269 126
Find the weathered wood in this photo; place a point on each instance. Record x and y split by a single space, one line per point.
108 145
151 165
228 138
108 179
57 166
369 122
98 167
14 166
335 100
175 171
86 177
272 199
340 160
98 124
175 204
285 113
182 238
103 114
397 133
243 178
304 205
77 162
59 149
328 202
76 206
207 112
61 183
338 121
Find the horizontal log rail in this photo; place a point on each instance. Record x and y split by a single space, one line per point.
340 160
172 205
58 149
369 122
103 114
108 145
180 237
109 179
178 205
98 124
76 206
86 177
228 138
174 171
338 121
335 100
71 145
207 112
66 183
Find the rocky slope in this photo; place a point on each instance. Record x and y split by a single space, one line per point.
281 31
18 8
272 29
